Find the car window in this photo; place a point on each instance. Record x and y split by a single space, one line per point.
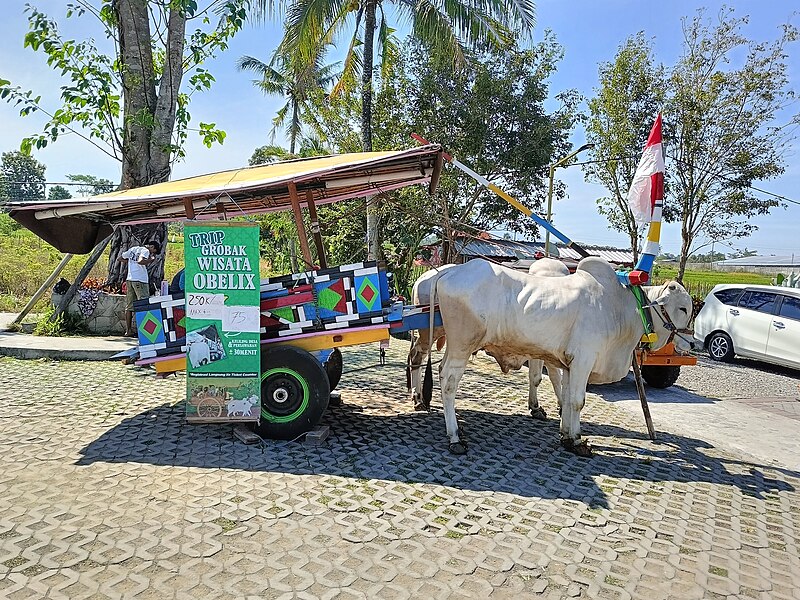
790 307
728 296
758 301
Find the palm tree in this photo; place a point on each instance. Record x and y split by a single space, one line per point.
446 26
295 81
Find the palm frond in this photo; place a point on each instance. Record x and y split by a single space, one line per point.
432 26
388 47
278 120
310 26
353 63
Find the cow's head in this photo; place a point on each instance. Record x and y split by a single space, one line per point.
671 311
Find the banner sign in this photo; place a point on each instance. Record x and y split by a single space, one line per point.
223 344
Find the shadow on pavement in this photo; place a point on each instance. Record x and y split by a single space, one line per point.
509 453
625 389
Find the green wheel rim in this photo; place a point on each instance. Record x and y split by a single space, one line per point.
303 403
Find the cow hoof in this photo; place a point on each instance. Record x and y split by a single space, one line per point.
458 447
539 414
419 406
582 448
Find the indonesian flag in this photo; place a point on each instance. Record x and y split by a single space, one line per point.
646 195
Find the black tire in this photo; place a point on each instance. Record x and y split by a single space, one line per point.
720 347
294 392
660 376
333 367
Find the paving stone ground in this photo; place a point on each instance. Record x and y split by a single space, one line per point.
106 492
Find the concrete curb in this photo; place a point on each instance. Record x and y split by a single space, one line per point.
24 346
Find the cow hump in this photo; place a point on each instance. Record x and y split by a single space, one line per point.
599 269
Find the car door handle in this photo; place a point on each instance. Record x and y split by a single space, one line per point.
778 325
734 311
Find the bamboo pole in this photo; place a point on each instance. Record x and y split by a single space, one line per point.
90 262
637 375
315 232
301 228
47 283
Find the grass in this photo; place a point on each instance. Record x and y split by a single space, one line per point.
699 283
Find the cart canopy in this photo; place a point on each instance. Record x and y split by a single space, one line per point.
77 225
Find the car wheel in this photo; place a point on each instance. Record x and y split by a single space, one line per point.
660 376
720 347
294 392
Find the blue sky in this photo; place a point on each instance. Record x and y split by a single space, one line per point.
589 30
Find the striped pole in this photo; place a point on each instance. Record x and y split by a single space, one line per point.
508 198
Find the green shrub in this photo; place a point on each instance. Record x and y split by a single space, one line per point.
65 324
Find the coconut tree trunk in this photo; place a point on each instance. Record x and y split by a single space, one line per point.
150 106
373 204
295 117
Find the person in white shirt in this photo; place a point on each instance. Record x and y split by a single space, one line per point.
137 281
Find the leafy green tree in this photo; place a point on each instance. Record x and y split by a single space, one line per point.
631 92
279 239
58 192
91 185
22 177
296 82
130 104
443 25
491 115
264 155
727 132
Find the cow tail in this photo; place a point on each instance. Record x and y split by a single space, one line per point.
427 381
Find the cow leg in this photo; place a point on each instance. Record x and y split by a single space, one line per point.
554 373
535 378
417 356
449 378
573 390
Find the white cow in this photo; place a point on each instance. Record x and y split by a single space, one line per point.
420 347
243 407
587 323
199 353
544 267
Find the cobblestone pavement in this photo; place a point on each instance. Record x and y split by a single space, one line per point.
106 492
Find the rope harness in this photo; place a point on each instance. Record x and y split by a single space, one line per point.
645 309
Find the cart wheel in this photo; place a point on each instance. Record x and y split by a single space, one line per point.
209 407
294 392
660 377
334 368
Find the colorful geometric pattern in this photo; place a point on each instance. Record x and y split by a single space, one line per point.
149 325
337 298
368 293
331 296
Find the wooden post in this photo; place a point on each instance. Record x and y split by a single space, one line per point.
47 283
637 375
301 228
315 232
90 262
437 173
188 206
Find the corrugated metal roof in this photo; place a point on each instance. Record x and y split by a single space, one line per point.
612 255
510 249
761 261
499 248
